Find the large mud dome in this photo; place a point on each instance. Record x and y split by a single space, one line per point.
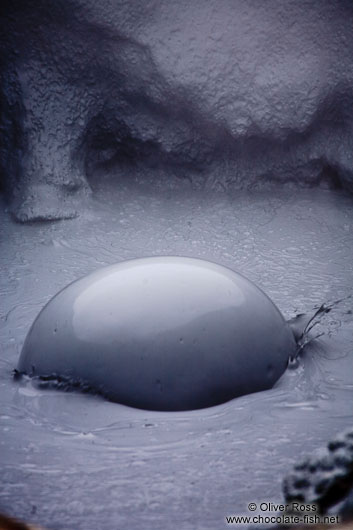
150 123
162 333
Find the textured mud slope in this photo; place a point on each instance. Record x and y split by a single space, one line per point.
222 94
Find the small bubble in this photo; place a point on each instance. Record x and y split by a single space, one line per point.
293 363
334 445
322 486
301 483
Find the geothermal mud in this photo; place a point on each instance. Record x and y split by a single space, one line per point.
70 459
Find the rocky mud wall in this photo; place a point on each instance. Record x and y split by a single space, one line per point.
221 94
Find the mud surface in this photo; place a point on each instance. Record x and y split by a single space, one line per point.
70 460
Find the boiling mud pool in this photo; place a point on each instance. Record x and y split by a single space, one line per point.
70 460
